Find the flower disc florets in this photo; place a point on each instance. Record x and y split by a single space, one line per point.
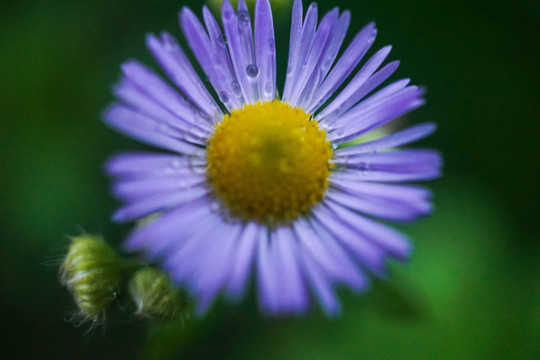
269 162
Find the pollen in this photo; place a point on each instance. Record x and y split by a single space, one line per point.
269 162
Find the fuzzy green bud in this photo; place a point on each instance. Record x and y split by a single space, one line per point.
91 271
155 296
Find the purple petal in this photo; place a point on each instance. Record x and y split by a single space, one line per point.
329 255
246 38
357 122
315 276
398 165
390 209
268 279
170 230
389 168
158 202
138 188
306 35
327 59
182 257
369 255
294 46
366 88
407 193
294 297
149 83
153 165
237 51
140 102
313 56
245 252
402 137
211 264
222 61
391 160
209 59
265 47
345 65
379 235
177 66
353 91
145 129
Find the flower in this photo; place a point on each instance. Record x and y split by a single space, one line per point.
258 183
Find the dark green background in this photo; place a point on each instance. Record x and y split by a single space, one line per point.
472 289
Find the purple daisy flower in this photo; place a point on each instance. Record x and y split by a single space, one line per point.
257 183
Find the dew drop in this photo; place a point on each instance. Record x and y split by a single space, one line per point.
223 96
197 163
252 70
203 115
327 63
236 87
221 40
175 164
182 184
268 89
227 14
214 206
243 16
271 45
162 127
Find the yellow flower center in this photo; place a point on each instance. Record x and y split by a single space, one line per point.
269 162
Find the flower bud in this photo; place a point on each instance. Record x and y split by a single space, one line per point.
155 296
91 271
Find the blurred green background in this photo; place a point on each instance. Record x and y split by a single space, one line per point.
472 289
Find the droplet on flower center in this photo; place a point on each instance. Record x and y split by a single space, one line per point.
269 162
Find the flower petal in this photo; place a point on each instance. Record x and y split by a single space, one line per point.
265 48
246 249
147 130
238 52
367 254
399 138
353 91
210 60
141 207
344 66
172 59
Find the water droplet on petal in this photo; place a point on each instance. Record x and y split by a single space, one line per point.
175 164
162 127
269 89
197 162
252 70
221 40
243 16
214 206
182 183
223 96
271 45
236 88
327 63
227 14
